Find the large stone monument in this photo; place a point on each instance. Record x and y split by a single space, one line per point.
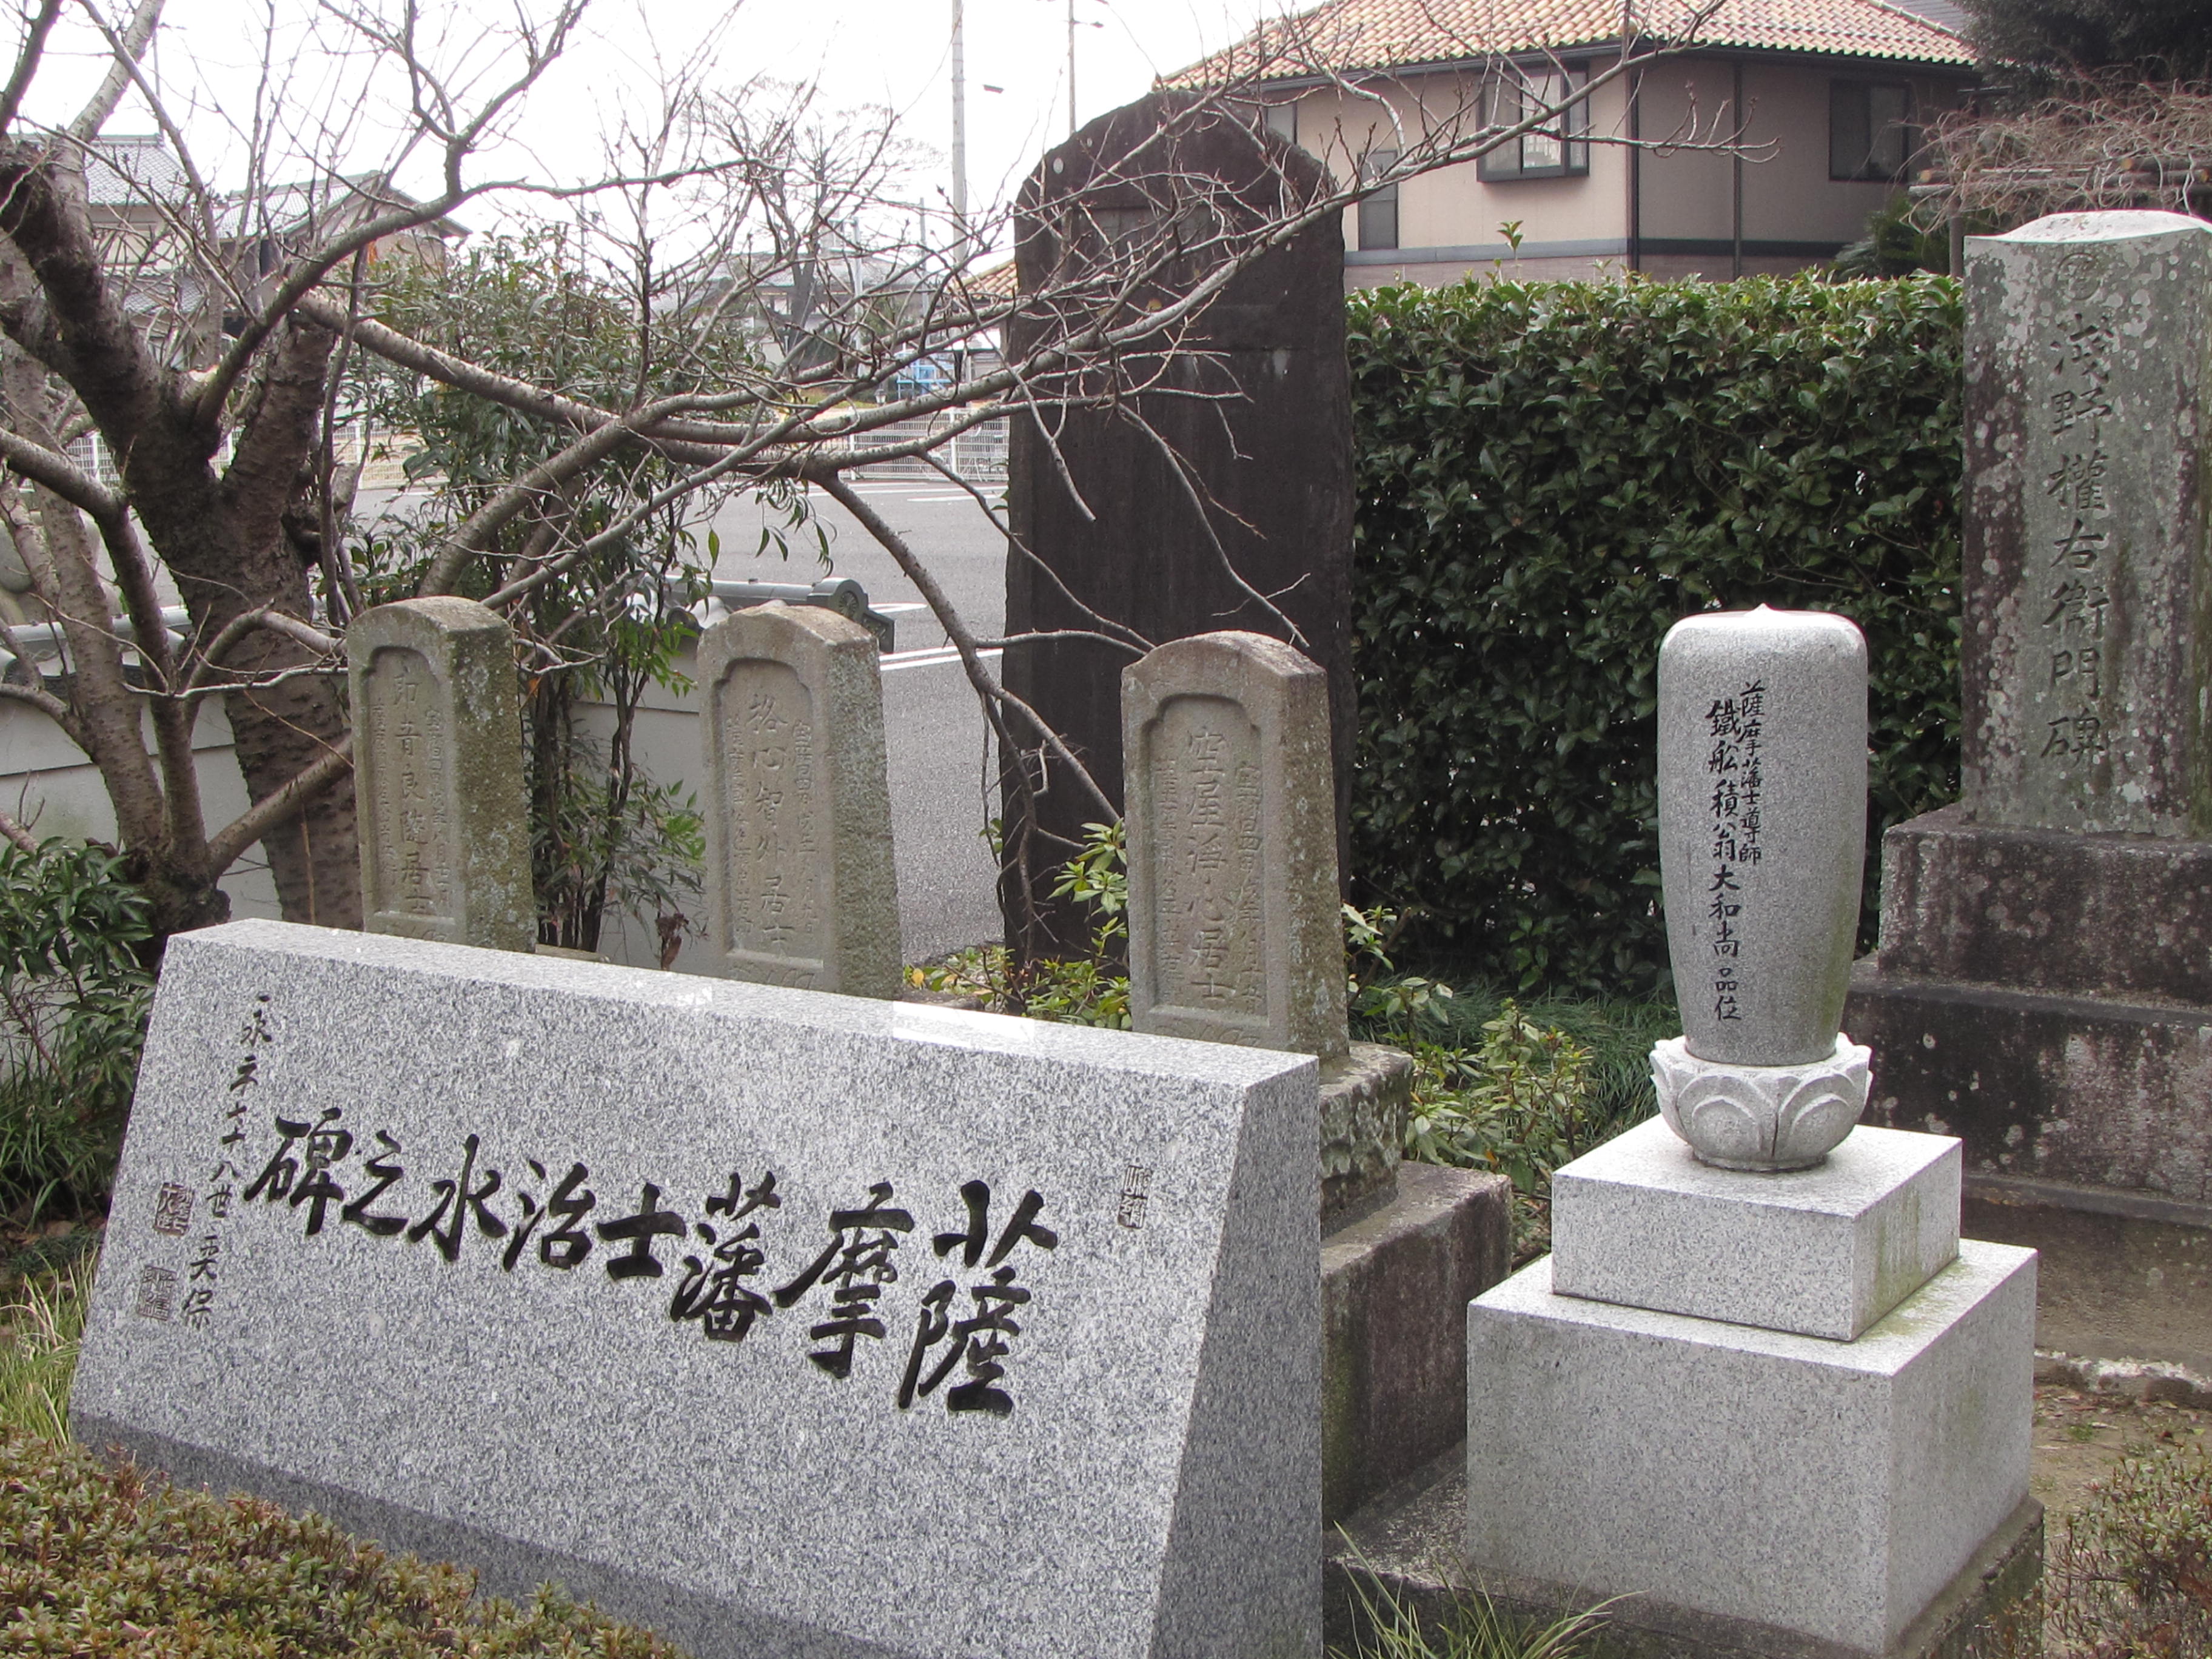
783 1322
1224 473
1235 935
801 889
437 723
2044 983
1761 1389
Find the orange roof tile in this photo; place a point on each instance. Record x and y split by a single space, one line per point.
1350 35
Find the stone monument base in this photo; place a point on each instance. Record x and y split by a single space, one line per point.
1827 1489
1395 1287
2093 1090
1399 1551
2047 997
1364 1098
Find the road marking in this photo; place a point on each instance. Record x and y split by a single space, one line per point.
963 497
899 607
942 654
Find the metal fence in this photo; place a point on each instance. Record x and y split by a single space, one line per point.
977 455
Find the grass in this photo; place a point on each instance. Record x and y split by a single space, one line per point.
41 1321
1474 1628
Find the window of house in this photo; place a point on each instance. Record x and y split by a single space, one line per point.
1869 133
1378 214
1283 122
1557 150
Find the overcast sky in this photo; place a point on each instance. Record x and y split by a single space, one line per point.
894 53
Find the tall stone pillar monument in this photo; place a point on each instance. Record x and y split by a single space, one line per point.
1761 1391
2044 984
1222 474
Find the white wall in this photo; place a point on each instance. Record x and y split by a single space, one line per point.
46 783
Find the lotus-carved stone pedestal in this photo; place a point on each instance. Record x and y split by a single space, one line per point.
1761 1117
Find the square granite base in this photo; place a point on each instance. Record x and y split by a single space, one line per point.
1824 1252
1830 1490
1400 1556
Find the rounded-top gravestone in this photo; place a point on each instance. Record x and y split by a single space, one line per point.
1762 821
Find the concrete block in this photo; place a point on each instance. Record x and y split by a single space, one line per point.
1394 1289
1824 1252
1825 1488
2119 1276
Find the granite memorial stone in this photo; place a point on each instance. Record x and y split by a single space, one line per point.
1250 397
1762 753
1235 936
444 828
1760 1385
2084 655
801 886
781 1323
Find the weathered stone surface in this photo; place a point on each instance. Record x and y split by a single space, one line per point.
558 1373
1364 1098
445 829
2047 909
1829 1489
1394 1289
1235 930
1762 834
2099 1091
801 889
1822 1252
1105 504
2086 586
2119 1276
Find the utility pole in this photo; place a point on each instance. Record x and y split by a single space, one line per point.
960 124
1071 68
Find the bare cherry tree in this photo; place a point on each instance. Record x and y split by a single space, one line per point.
776 292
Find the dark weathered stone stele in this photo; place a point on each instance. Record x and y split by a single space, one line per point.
2044 984
1233 461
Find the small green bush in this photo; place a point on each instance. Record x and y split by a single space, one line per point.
1549 476
74 999
2131 1575
101 1561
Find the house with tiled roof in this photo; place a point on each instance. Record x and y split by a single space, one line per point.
1824 97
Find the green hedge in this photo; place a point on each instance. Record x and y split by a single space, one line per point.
1549 476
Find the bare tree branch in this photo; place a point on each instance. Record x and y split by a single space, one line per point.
225 847
128 48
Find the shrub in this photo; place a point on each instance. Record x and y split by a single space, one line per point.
2131 1575
100 1561
1549 476
73 1004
